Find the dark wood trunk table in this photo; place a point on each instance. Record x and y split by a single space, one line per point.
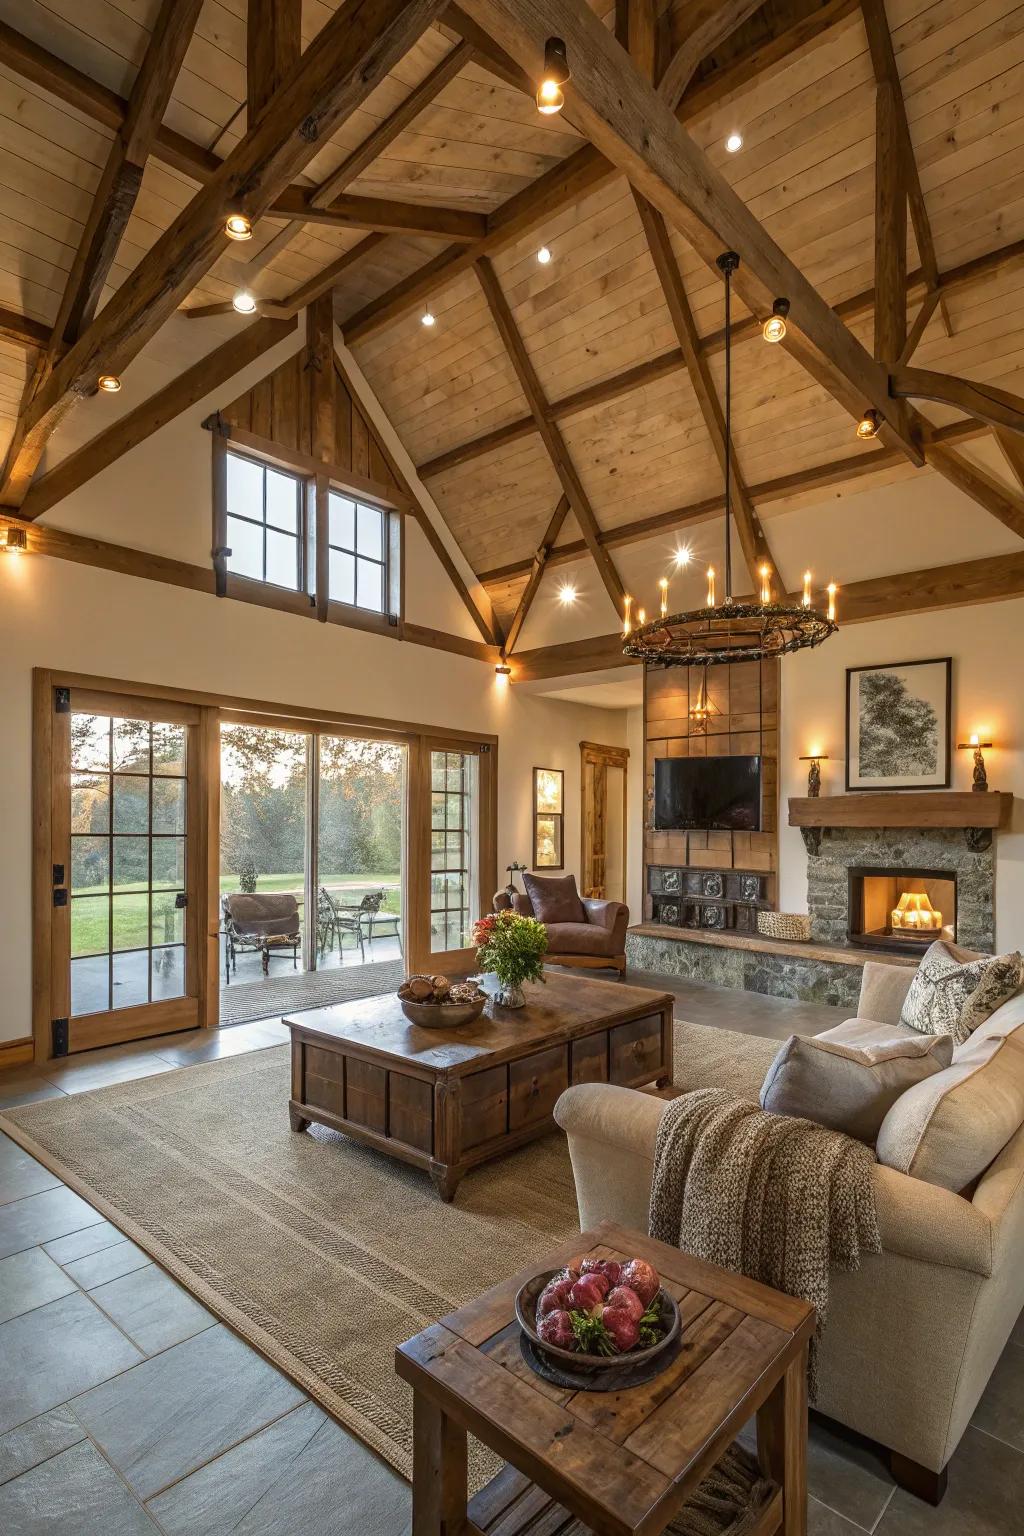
616 1463
447 1100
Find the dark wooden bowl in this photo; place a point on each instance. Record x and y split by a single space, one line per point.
526 1312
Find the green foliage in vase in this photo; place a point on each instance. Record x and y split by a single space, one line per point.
651 1329
512 946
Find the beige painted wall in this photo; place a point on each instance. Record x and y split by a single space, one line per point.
986 643
54 614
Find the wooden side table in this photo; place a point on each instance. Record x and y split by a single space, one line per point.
621 1463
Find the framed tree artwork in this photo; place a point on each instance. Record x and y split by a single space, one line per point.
898 725
548 818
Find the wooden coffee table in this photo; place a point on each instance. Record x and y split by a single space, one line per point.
448 1100
620 1463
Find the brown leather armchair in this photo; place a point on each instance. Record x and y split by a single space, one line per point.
582 931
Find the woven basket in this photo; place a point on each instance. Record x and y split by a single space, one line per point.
784 925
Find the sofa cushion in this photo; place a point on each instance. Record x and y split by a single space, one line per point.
580 939
949 1128
952 995
554 900
851 1087
864 1032
275 912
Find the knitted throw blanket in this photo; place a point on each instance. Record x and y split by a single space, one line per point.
774 1198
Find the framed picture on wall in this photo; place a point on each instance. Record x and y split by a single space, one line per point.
548 816
898 725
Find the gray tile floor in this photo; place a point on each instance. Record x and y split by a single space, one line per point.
126 1408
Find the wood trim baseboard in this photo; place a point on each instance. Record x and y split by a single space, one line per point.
16 1053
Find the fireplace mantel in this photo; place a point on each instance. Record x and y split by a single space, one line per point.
904 808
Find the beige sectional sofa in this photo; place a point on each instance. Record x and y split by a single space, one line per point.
915 1333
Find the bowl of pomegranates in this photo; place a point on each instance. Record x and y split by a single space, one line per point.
597 1313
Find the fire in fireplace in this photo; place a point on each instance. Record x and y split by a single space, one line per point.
901 909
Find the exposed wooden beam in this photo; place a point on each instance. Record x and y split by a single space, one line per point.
756 551
1012 447
128 431
980 486
990 580
273 43
705 24
890 228
391 126
883 61
551 437
391 217
917 330
580 173
837 472
355 51
486 51
22 330
529 592
628 122
306 292
996 406
955 280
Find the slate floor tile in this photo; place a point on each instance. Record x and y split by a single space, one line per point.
985 1496
26 1090
822 1521
846 1474
1001 1410
30 1279
109 1263
298 1475
74 1494
37 1441
89 1240
20 1174
39 1218
217 1044
150 1308
54 1352
169 1415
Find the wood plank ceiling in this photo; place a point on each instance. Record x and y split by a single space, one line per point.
797 79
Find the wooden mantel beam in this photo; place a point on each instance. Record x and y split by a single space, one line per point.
627 121
353 53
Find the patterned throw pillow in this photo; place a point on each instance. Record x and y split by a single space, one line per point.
950 996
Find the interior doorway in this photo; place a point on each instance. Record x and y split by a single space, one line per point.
603 773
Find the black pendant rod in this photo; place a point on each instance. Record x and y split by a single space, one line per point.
727 264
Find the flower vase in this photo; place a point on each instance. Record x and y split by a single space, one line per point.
510 995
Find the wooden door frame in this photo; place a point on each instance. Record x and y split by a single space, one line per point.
596 754
213 709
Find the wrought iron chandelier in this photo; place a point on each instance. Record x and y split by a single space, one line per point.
728 631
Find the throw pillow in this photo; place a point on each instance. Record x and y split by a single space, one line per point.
950 995
554 899
948 1129
846 1087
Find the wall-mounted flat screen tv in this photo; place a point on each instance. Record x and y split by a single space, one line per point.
713 792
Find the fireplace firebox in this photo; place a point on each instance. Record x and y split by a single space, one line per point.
901 909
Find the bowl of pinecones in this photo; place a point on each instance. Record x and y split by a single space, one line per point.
434 1002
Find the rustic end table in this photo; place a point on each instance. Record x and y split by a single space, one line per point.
620 1463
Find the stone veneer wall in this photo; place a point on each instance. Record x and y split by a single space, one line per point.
892 848
812 981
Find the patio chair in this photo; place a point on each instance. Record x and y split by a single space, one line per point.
385 925
326 922
267 923
348 919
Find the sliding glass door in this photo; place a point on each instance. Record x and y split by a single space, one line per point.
453 818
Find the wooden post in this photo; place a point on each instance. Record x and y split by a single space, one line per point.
782 1444
890 228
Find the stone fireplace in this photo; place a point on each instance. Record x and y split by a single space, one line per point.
856 877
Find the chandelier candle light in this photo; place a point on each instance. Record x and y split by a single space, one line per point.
725 630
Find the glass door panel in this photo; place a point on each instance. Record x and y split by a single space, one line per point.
454 882
360 814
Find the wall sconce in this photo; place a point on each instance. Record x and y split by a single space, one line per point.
16 541
977 747
550 97
814 772
503 670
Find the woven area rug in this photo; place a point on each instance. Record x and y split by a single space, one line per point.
290 993
321 1253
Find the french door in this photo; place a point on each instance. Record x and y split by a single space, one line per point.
123 820
452 866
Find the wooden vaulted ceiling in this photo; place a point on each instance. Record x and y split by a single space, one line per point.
564 409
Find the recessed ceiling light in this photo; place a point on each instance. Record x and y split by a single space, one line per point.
543 255
734 142
244 302
427 318
238 226
567 594
682 556
109 383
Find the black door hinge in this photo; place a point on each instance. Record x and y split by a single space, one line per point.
58 874
59 1034
62 700
60 896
